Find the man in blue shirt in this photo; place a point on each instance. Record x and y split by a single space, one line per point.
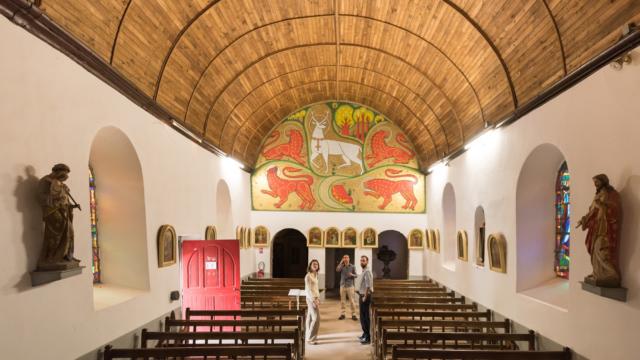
347 290
365 289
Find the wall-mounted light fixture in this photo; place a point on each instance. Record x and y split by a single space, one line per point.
231 162
438 166
619 62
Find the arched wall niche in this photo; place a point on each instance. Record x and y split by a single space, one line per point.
449 226
224 211
480 236
121 210
397 242
535 217
289 254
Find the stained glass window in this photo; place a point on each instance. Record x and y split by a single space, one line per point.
95 263
563 226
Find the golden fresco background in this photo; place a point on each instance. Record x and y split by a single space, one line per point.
337 156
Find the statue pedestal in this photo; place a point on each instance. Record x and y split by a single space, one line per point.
617 293
39 277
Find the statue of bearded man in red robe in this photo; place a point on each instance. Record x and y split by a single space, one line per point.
602 223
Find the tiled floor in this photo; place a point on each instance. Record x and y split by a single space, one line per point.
337 339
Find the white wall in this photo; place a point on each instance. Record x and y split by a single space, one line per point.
596 126
303 221
51 110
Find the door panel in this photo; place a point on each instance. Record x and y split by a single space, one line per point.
211 274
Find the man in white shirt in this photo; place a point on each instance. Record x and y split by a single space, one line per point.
365 289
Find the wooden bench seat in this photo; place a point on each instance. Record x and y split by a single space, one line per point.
453 340
193 339
414 354
227 352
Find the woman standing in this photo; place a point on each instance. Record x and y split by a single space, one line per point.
313 301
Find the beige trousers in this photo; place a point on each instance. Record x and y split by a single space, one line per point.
350 294
313 321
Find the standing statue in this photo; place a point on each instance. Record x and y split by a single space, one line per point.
57 214
602 223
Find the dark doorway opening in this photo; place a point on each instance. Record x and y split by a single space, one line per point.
396 242
290 254
333 256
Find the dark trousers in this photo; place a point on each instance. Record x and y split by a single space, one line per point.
365 320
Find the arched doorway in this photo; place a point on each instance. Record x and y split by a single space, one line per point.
289 254
396 242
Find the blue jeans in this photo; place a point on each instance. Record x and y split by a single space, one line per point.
365 320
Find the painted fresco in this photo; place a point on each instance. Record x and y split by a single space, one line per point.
338 156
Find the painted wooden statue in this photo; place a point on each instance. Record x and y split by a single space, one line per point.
602 223
57 214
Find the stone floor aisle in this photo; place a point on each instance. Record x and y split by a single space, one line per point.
337 339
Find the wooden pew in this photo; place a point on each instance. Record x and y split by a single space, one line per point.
237 352
271 301
196 339
453 340
447 298
460 323
399 354
257 314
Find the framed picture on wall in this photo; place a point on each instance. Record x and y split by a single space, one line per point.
429 239
436 240
369 238
462 245
497 252
314 237
167 246
247 237
332 237
260 236
416 239
349 238
240 236
210 233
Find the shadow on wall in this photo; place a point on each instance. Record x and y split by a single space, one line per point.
26 194
397 242
629 248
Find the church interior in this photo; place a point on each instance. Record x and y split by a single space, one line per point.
481 155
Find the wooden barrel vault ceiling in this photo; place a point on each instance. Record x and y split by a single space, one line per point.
443 70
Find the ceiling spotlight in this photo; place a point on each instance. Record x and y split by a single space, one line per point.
483 139
231 162
619 62
437 166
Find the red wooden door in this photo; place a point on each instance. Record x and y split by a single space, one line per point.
210 274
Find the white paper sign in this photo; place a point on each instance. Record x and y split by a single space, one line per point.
210 265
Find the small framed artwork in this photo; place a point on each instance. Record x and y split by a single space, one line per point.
314 238
429 239
416 239
240 236
210 233
369 238
167 246
463 245
332 237
260 236
349 238
497 252
436 240
247 237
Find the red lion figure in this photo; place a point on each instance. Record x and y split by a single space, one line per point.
386 188
380 151
292 149
341 194
281 187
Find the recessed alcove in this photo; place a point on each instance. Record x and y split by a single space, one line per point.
224 213
449 235
536 228
121 219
